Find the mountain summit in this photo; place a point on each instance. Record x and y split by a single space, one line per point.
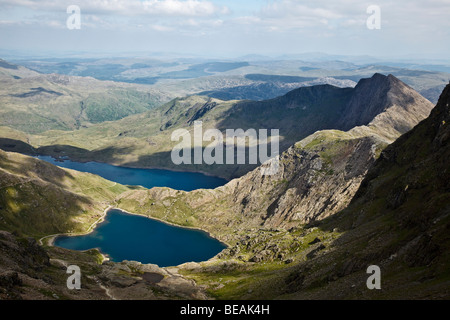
402 106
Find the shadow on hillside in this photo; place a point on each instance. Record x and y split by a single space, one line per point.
61 152
297 114
18 146
34 168
106 155
36 199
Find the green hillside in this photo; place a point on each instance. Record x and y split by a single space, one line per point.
34 103
37 198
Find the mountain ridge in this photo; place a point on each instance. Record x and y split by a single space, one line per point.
399 217
34 102
297 114
317 177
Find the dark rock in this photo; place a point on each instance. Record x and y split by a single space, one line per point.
421 251
9 279
316 240
314 250
256 258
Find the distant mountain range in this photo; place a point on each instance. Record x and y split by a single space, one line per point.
228 79
33 102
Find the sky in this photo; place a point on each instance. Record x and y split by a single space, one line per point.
229 28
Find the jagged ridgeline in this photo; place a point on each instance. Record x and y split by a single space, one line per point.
144 140
399 220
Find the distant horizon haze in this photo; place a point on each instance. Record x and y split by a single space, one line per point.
227 29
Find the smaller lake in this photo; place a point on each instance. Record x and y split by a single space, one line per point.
124 236
147 178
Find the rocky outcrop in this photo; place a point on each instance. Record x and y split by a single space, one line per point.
22 254
131 280
398 220
377 95
312 183
202 111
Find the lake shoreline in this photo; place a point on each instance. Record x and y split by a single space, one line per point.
52 238
174 225
105 257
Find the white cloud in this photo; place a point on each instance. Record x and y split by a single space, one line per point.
197 8
262 25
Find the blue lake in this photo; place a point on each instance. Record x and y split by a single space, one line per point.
148 178
124 236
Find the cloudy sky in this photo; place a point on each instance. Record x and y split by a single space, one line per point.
228 27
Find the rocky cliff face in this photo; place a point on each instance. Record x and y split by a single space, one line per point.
317 176
389 105
399 220
313 181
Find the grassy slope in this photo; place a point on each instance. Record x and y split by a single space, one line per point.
34 103
37 198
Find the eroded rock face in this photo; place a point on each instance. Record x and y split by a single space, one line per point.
310 185
398 220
